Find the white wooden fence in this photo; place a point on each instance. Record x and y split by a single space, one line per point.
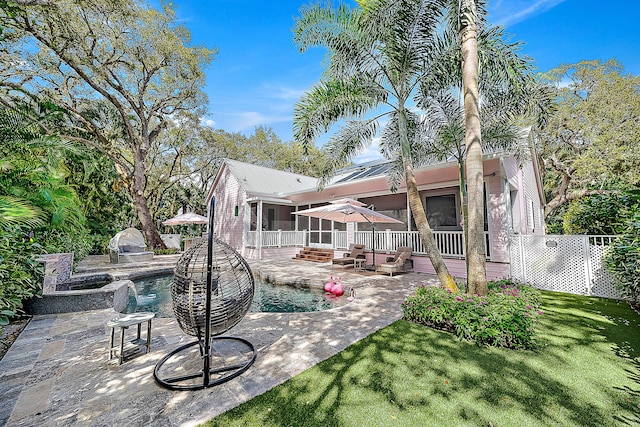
563 263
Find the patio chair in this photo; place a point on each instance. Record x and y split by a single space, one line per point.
399 263
348 258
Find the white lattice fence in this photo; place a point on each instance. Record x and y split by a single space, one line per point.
571 264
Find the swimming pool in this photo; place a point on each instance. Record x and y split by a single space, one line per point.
154 294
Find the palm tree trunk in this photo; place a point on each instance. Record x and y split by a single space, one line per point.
476 257
465 209
426 236
419 216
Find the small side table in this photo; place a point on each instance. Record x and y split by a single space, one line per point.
358 264
130 347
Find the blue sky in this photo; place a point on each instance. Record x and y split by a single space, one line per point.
259 73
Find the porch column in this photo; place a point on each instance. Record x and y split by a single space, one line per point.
246 227
259 229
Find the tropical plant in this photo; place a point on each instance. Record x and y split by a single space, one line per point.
623 257
508 90
20 273
378 56
33 191
464 16
598 214
505 317
119 69
39 211
389 56
106 203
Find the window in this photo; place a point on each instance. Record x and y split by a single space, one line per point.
530 215
441 212
236 211
271 219
515 211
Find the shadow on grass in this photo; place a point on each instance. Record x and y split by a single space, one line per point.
586 372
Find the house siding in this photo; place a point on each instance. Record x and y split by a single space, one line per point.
458 267
532 218
229 194
438 180
497 215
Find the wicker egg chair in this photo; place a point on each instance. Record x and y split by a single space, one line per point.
212 290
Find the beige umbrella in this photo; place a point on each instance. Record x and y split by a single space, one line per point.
350 210
186 218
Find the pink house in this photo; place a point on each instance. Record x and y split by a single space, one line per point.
255 209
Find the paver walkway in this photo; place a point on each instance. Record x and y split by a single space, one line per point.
57 373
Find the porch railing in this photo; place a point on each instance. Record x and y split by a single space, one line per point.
450 243
277 239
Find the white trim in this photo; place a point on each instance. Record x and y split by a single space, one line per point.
256 198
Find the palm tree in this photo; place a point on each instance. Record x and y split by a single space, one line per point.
32 187
509 96
378 58
465 18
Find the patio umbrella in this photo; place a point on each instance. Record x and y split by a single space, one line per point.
186 218
350 210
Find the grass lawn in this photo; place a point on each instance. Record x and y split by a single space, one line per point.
586 372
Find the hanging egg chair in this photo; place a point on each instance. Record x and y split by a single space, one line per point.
212 290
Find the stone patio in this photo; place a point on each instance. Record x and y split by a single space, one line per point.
58 372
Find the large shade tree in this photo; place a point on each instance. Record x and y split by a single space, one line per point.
589 147
378 58
189 154
118 69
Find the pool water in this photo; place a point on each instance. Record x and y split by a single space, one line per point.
154 294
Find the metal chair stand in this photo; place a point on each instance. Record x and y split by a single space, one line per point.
211 292
211 376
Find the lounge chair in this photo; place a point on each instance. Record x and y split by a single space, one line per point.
348 258
399 263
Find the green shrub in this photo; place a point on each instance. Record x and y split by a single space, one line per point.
74 240
99 243
623 257
596 214
20 273
504 318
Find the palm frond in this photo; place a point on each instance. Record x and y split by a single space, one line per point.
330 101
342 147
14 211
322 25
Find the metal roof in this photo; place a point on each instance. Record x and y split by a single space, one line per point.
260 180
365 170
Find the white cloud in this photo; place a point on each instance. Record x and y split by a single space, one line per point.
371 153
246 121
519 10
210 123
284 93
